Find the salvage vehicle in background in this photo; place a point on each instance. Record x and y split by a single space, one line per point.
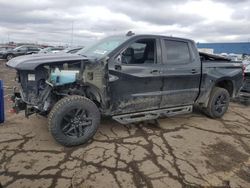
131 78
51 49
72 50
245 90
19 51
4 48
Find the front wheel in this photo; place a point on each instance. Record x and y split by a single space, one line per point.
218 103
9 57
74 120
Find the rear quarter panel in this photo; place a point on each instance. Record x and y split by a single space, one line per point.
215 72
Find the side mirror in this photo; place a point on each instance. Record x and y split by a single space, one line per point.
118 59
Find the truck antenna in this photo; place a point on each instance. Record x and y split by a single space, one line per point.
130 33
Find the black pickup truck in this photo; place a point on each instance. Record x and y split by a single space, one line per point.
131 78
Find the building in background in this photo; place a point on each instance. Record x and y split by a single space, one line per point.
229 48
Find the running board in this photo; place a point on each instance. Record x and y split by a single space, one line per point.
153 114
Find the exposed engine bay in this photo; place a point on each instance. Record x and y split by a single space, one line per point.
41 88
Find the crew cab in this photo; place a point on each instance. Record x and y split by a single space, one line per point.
130 78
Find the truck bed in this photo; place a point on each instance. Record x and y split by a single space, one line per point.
211 60
212 57
216 68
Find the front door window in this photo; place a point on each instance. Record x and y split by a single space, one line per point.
140 52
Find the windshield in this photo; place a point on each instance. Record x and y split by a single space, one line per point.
103 47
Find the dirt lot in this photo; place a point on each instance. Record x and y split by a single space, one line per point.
184 151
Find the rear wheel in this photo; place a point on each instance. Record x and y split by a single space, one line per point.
74 120
218 103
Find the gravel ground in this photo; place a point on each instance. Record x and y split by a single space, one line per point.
183 151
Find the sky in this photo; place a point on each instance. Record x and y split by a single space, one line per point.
80 22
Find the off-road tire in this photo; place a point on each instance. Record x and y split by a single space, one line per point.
210 110
9 57
55 119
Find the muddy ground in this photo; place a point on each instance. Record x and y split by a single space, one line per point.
184 151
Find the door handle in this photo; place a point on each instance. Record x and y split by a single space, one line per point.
194 71
118 67
154 71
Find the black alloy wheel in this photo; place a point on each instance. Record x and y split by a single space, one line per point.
221 103
74 120
218 103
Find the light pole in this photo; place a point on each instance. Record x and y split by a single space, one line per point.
72 33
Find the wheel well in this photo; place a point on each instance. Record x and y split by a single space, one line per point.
226 84
5 56
94 95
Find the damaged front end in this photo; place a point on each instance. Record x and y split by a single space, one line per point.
43 83
34 94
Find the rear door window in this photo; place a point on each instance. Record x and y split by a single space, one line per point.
176 52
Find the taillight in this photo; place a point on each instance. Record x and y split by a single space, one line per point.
243 71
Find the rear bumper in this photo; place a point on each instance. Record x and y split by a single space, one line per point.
246 84
244 95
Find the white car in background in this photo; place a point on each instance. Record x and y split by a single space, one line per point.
51 50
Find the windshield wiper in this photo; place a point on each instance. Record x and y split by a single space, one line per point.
83 55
